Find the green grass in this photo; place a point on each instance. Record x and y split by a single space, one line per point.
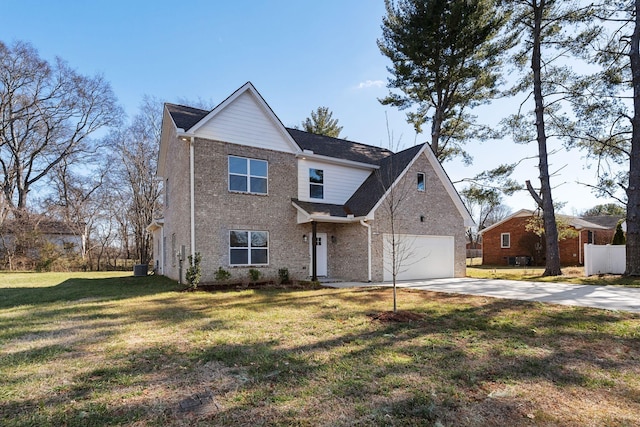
573 275
111 349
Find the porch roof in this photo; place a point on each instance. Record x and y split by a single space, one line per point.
323 212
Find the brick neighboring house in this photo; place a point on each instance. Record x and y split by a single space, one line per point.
509 243
246 192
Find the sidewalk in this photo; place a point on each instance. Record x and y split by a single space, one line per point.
605 297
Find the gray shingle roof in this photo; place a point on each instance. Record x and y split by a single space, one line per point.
340 148
607 221
374 187
185 117
325 209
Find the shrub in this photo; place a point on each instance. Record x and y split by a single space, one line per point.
283 274
619 238
221 275
194 272
254 275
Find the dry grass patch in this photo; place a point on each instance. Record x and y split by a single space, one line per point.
573 275
111 351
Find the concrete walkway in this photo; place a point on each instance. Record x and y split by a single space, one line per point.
605 297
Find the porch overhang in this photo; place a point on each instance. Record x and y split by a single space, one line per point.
155 225
323 212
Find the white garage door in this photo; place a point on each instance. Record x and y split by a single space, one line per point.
421 257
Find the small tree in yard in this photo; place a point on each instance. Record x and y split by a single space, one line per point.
618 237
194 273
397 247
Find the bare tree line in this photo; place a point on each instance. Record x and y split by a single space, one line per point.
68 157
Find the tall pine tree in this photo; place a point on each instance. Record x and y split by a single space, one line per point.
445 58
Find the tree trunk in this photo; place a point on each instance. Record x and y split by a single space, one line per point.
552 264
633 190
436 128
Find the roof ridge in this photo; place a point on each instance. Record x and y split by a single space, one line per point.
185 106
340 139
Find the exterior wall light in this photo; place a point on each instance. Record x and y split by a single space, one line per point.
305 238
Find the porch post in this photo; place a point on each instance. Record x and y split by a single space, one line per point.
314 252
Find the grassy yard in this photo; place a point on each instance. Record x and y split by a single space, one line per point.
573 275
103 349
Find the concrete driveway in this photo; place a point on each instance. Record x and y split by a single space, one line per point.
605 297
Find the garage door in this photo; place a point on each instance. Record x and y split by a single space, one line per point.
422 257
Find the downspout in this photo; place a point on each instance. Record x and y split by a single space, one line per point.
192 194
580 248
368 227
161 254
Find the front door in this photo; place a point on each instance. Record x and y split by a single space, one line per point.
321 254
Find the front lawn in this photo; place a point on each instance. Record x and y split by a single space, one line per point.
573 275
105 349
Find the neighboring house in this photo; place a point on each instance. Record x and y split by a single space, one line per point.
246 192
70 240
509 243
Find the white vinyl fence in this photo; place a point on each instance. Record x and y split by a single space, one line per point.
604 259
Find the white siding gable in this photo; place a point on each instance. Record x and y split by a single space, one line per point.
340 182
245 122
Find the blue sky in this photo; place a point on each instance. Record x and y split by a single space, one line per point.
299 54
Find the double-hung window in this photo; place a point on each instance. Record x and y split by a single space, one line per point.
248 247
248 175
505 240
316 183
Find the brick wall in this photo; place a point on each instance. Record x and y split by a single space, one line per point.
176 213
218 210
524 243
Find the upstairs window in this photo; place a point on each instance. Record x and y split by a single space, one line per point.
505 240
420 181
316 183
248 175
248 247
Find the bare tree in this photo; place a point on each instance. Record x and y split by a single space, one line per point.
137 148
48 112
394 192
485 205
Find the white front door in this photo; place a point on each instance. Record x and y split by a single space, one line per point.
321 254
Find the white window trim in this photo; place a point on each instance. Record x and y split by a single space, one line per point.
250 264
502 245
248 175
424 182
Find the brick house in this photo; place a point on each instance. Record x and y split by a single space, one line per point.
509 243
246 192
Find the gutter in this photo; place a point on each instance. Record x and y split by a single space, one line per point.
368 227
192 195
190 138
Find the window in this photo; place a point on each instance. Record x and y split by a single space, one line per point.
316 183
248 175
591 236
420 181
248 247
505 240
